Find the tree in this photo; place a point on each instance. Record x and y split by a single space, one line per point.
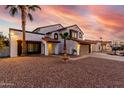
2 41
122 47
65 36
25 11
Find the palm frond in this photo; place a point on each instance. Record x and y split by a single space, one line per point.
65 36
8 6
19 6
38 7
61 35
33 7
13 11
30 16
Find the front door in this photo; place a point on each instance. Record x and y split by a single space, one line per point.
19 47
50 48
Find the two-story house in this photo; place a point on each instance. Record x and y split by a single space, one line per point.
47 41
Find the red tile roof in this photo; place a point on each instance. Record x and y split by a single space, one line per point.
48 39
85 42
96 41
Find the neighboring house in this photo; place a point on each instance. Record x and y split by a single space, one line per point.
106 46
98 46
103 46
117 43
47 41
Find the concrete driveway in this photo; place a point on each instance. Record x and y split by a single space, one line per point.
107 56
101 55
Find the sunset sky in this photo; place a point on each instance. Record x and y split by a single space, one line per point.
95 21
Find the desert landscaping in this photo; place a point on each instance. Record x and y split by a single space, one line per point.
41 71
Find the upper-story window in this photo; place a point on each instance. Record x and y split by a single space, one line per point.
80 35
56 36
73 34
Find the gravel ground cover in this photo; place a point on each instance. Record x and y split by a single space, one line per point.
51 72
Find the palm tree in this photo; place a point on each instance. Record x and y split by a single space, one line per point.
65 36
25 11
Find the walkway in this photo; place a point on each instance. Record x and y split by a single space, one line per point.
106 56
81 57
101 55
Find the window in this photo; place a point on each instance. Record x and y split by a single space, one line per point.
73 34
80 35
55 36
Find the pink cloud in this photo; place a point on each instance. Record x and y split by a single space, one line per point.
95 21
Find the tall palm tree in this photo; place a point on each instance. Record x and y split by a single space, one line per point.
25 11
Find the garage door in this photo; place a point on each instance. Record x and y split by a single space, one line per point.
84 49
33 47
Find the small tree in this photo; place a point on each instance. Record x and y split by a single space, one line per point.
2 43
65 36
122 47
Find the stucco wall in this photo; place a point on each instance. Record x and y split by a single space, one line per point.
98 47
71 45
56 49
77 29
17 35
68 31
108 47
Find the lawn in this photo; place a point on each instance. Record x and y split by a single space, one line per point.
41 71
